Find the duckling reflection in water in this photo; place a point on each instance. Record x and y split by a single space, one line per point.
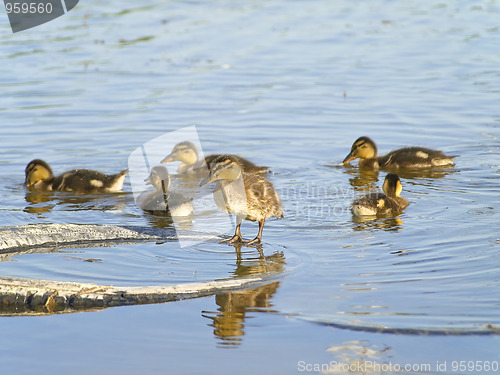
163 200
362 179
39 177
39 202
229 319
390 224
382 204
187 154
411 157
248 196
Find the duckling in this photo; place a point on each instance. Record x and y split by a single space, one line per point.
390 203
411 157
187 153
248 196
39 177
163 200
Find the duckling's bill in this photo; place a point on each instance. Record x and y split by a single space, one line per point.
208 179
167 159
348 158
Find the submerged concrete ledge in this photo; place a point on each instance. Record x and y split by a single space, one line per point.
23 237
22 296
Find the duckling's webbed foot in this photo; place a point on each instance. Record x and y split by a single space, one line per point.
256 240
235 238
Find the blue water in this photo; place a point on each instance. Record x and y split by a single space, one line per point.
290 85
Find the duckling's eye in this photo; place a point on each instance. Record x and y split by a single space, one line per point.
355 147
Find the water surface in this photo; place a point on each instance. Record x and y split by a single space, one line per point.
290 85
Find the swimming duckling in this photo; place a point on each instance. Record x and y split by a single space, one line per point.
163 200
411 157
248 196
390 203
187 153
39 177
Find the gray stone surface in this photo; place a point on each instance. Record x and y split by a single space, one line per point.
21 296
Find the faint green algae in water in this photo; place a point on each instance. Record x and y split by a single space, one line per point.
135 41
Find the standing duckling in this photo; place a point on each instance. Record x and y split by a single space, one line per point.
187 153
410 157
248 196
163 200
39 177
388 204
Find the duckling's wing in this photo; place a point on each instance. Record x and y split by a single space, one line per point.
370 202
401 202
262 199
394 205
378 204
88 181
415 157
